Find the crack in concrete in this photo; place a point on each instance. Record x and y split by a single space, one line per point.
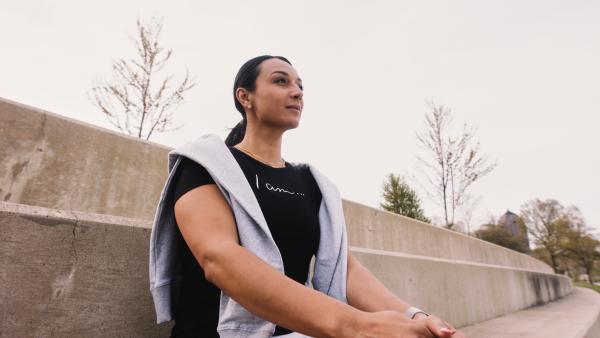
73 246
17 171
61 285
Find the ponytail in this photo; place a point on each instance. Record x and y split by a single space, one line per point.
236 135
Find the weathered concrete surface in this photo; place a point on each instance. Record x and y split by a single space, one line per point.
69 274
382 230
56 162
74 271
575 316
74 274
462 293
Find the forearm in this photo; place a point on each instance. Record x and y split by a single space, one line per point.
365 292
275 297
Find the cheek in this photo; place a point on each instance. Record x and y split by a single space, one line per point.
273 101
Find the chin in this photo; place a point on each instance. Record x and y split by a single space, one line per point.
292 124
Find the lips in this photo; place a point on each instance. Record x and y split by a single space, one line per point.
294 106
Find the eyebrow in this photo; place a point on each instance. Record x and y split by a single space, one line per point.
282 72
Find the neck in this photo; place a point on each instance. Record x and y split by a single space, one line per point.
264 143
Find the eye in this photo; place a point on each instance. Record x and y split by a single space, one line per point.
284 80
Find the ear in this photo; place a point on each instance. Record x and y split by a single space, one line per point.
243 96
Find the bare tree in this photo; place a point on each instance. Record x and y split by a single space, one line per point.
452 164
136 101
467 210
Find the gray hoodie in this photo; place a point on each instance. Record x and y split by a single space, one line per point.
209 150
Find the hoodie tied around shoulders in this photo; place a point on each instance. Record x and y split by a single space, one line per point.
210 151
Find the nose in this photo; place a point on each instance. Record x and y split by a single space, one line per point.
297 92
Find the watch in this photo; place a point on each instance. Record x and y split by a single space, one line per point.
412 311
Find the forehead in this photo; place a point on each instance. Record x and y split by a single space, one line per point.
268 67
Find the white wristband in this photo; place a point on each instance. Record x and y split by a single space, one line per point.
412 311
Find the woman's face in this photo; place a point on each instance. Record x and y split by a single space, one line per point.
277 99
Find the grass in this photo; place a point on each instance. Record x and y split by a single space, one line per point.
586 285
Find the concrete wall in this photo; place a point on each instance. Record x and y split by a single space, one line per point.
462 293
52 161
73 274
382 230
71 269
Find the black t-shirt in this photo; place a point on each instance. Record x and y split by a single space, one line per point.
289 199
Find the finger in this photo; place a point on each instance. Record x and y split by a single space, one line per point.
430 330
445 332
439 327
450 326
430 334
440 330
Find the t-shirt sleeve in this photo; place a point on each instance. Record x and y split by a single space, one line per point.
190 174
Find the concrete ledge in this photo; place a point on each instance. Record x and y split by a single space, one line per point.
575 316
77 274
382 230
56 162
462 293
72 274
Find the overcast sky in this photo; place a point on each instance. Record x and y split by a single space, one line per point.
525 73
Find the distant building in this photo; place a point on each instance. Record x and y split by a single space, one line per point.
513 224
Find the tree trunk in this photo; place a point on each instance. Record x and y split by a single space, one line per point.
554 264
588 270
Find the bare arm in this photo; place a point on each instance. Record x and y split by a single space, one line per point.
208 227
365 292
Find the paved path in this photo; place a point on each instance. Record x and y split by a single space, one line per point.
575 316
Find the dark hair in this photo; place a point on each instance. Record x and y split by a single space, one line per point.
246 78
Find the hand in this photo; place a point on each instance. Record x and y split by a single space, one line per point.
391 324
440 328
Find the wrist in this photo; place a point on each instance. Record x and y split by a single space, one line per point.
415 313
352 323
420 315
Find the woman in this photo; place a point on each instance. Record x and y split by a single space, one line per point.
242 263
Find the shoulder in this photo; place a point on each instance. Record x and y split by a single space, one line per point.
190 174
202 144
189 164
301 166
191 170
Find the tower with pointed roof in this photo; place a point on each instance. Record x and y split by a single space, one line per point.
512 223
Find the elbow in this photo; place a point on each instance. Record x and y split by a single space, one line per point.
353 263
213 261
210 269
